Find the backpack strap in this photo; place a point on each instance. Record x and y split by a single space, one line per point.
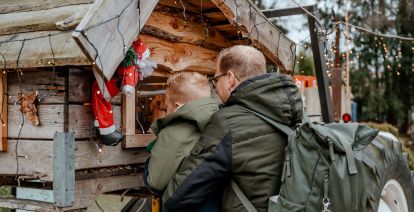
246 203
285 129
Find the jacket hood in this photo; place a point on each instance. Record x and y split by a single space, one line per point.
197 111
273 95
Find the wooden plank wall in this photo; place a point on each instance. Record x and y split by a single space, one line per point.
35 143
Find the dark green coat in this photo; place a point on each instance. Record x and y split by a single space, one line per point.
176 134
238 145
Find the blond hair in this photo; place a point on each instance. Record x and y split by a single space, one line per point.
244 61
187 86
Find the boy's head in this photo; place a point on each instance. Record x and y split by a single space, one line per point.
184 87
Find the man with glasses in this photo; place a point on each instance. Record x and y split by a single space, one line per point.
236 144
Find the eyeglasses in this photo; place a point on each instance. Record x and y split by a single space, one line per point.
213 80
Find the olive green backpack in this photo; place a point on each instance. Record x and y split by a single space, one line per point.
328 167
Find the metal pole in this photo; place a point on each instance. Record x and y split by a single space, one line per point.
320 67
318 56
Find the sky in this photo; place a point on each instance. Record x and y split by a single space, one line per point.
297 31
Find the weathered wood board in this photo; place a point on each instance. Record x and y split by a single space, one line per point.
81 120
10 6
27 205
51 88
37 52
59 18
88 190
253 24
80 86
180 56
178 5
36 157
137 140
85 194
52 120
106 39
172 28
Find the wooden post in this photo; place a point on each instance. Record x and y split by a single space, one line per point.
128 114
128 119
64 169
337 78
3 100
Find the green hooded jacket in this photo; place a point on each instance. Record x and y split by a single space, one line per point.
176 135
238 145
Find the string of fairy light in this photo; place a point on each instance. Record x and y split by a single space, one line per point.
380 40
97 58
19 72
250 40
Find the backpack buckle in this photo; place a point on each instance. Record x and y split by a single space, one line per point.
326 202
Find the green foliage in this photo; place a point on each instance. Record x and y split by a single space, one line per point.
305 65
383 127
4 193
407 143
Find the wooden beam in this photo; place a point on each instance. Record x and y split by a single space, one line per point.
137 140
86 156
37 52
28 205
88 190
51 88
253 24
171 28
128 115
3 102
52 120
215 17
60 18
226 29
86 193
11 6
35 158
180 56
107 42
272 13
177 4
207 4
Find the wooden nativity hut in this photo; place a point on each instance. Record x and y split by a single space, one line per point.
56 49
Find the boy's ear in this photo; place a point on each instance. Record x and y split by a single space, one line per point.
178 104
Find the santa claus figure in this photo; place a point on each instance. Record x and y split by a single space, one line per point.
135 66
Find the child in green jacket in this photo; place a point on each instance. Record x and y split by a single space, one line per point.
189 107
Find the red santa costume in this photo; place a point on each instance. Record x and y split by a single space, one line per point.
135 66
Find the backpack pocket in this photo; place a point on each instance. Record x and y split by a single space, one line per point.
279 204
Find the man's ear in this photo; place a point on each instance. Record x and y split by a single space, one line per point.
233 81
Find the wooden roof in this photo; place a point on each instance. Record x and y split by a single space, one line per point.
179 40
